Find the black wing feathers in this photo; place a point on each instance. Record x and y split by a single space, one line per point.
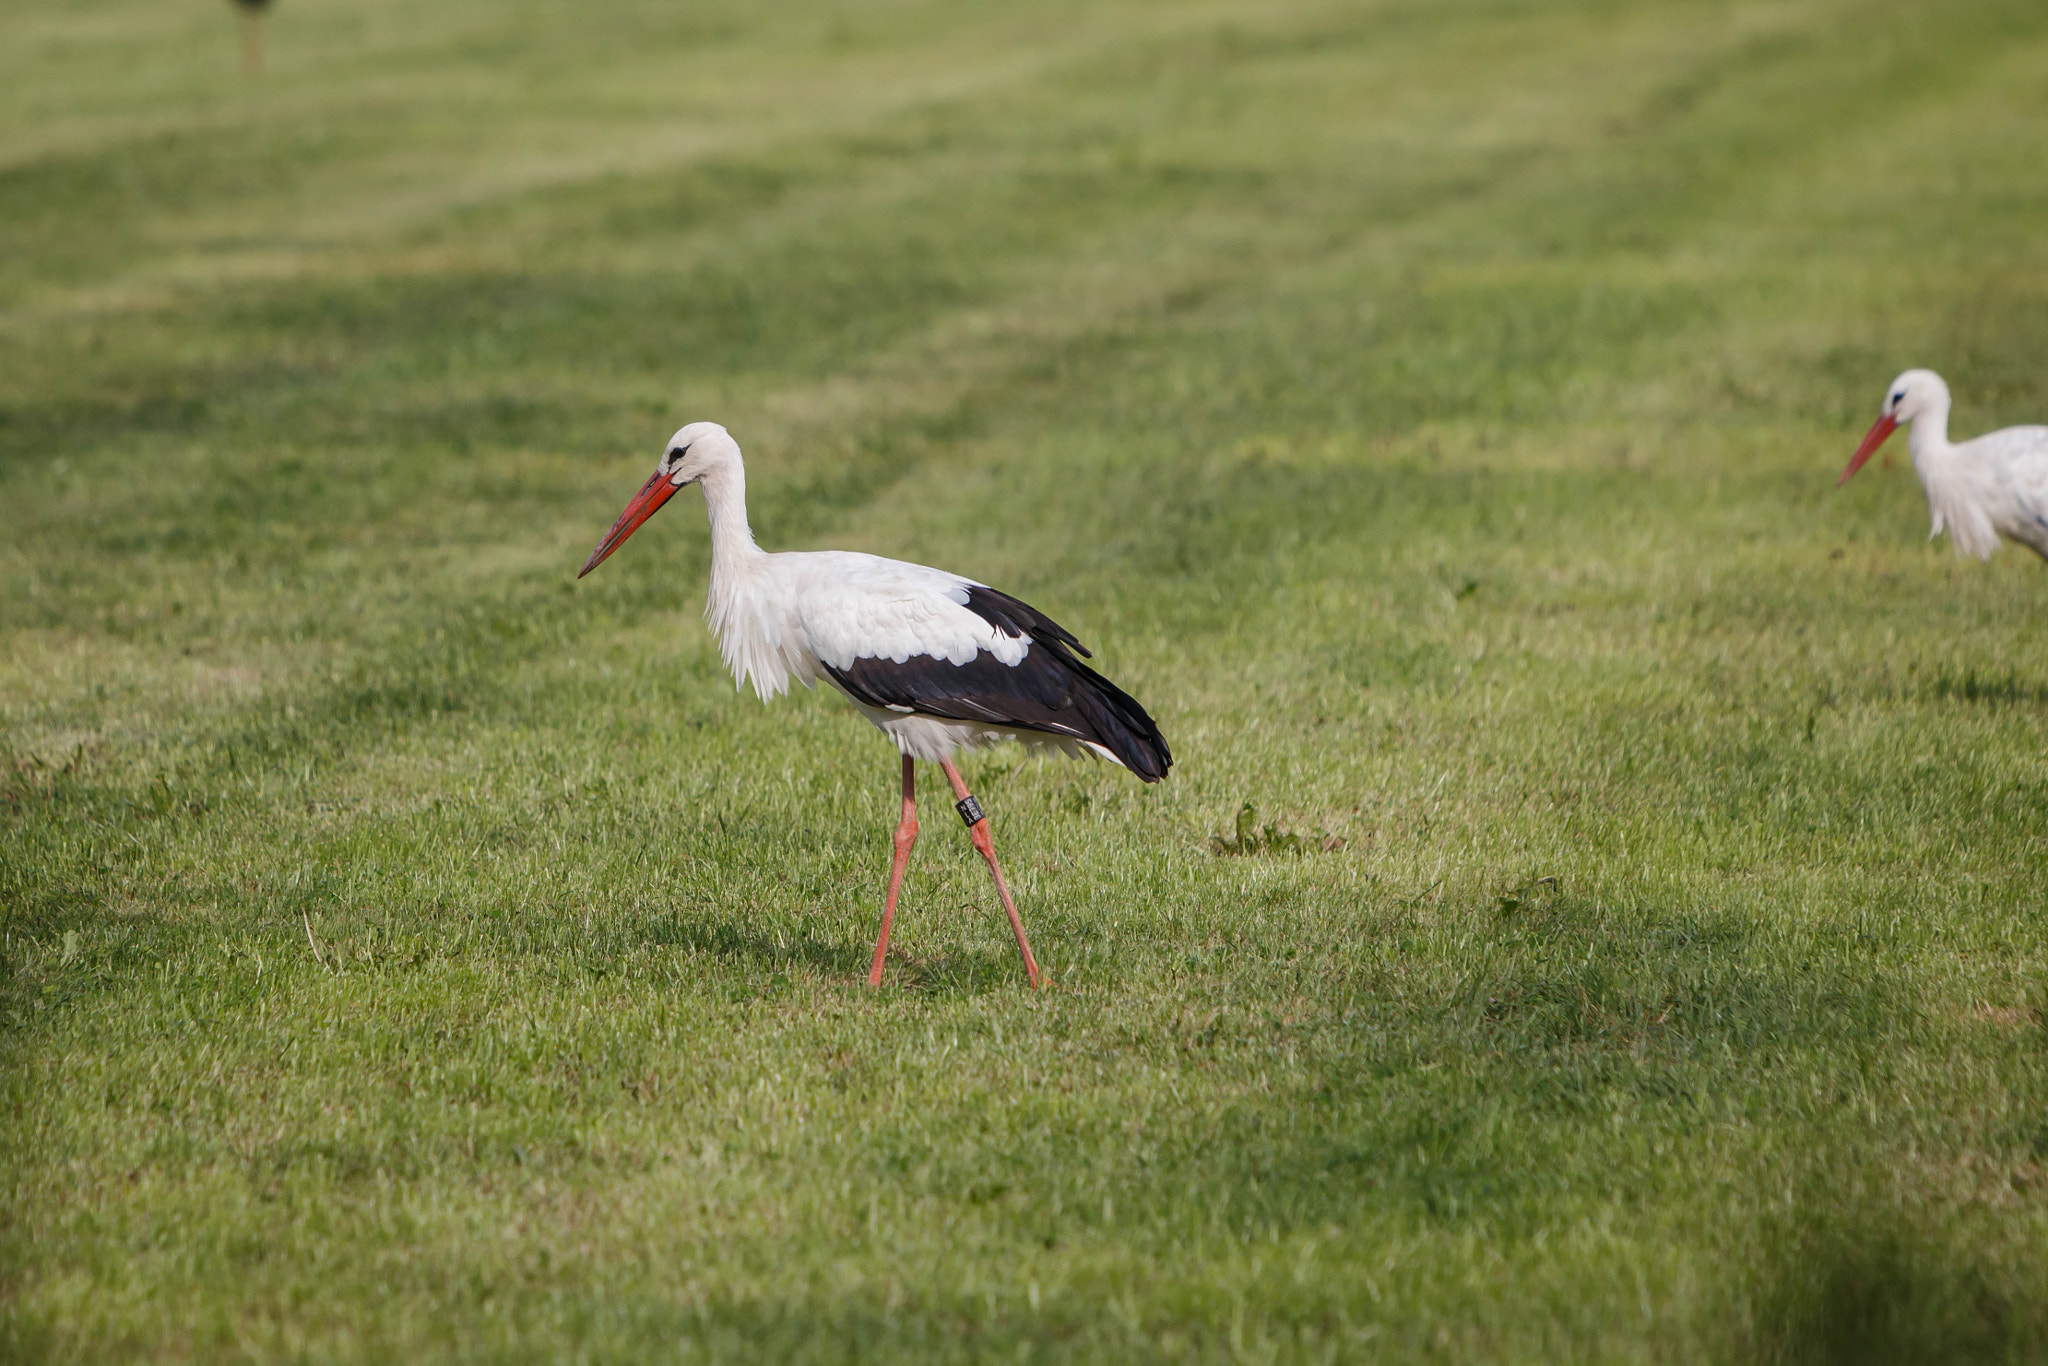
1020 619
1049 690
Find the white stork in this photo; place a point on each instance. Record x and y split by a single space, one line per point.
939 663
1994 485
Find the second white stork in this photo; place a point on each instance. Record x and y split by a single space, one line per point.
1978 490
938 662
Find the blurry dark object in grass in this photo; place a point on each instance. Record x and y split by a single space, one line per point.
1271 838
1525 895
253 12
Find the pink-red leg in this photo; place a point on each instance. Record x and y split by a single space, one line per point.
978 832
906 837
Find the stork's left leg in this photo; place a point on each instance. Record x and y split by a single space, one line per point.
977 830
906 837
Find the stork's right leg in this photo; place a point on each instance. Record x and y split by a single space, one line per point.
906 836
977 830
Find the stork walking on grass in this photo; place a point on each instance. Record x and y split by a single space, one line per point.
1979 490
939 663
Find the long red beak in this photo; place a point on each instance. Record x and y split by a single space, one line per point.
1872 439
645 504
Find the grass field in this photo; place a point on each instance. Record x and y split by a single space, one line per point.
1429 408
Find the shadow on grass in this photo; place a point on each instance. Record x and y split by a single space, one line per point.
718 937
1857 1279
1989 689
1470 1097
940 975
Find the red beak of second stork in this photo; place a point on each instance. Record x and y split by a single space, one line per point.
645 504
1872 439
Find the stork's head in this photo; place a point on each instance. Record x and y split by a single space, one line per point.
1915 393
692 453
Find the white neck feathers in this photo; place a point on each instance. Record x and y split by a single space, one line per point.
1955 483
725 502
753 635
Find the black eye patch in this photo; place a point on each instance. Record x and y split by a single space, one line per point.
1899 397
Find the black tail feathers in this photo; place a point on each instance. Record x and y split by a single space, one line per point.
1123 727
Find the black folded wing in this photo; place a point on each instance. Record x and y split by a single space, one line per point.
1049 690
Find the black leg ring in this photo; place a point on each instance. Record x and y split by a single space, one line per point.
970 810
